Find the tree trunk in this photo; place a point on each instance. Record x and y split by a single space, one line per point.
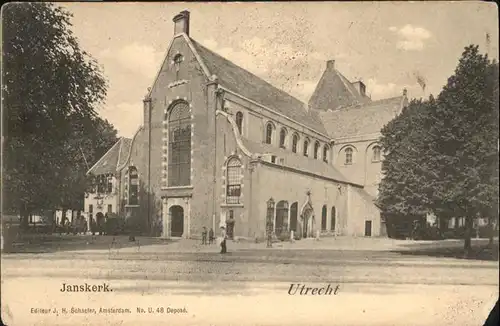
469 221
491 232
24 215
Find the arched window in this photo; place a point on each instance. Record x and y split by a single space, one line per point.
306 147
376 154
179 145
269 133
239 120
281 217
233 177
325 154
282 137
177 63
333 218
323 218
348 156
316 149
295 141
133 186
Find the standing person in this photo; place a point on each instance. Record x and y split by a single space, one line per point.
211 236
223 249
204 236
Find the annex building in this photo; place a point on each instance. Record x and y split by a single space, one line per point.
219 144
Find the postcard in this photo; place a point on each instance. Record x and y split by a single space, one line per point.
267 163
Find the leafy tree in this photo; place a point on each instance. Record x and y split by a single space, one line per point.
50 86
466 150
442 155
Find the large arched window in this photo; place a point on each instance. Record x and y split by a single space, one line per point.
306 147
316 149
348 156
376 154
239 121
233 177
133 186
295 142
179 145
269 133
325 154
282 137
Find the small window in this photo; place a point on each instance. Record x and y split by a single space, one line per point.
306 147
282 137
269 133
282 161
348 156
316 149
325 154
239 121
110 185
177 63
273 159
295 141
376 154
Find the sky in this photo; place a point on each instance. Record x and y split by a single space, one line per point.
387 45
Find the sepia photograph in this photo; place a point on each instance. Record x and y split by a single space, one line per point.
256 163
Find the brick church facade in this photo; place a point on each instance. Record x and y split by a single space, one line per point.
219 144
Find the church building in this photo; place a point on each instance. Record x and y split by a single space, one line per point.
221 146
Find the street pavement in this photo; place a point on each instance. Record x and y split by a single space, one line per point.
249 286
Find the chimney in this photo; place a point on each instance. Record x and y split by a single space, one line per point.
330 64
181 23
360 87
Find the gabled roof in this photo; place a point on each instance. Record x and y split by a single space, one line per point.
109 162
298 161
362 119
243 82
334 91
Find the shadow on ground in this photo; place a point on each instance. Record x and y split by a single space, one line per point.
31 244
479 252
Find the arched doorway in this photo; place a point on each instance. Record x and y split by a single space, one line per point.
177 221
100 222
307 220
293 216
323 218
281 217
333 219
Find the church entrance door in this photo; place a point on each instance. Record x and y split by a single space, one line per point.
177 224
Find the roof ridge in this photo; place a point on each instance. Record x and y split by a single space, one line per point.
249 72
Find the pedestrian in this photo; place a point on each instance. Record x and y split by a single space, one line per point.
223 248
204 236
211 237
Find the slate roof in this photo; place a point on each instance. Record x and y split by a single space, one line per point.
298 161
115 156
255 88
362 119
334 90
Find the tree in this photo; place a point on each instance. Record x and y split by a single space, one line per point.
49 86
402 194
466 150
442 155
